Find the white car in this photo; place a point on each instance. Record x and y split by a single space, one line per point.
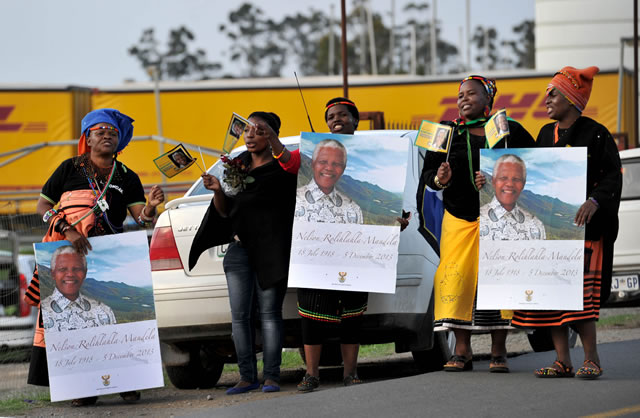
625 285
192 307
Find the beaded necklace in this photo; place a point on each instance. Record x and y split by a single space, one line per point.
98 210
558 134
465 126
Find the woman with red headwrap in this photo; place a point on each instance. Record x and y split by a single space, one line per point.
567 96
456 278
93 192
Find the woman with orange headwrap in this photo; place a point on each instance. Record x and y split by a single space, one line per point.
567 96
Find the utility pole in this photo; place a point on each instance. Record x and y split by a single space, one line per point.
372 41
363 38
392 40
154 72
412 48
331 41
434 41
635 72
468 46
345 64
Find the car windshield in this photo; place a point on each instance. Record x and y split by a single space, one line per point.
217 170
631 179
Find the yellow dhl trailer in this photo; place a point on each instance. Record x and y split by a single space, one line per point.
198 113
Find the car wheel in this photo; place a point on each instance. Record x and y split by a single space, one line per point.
203 370
540 339
432 360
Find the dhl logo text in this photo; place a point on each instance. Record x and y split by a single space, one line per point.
27 127
529 105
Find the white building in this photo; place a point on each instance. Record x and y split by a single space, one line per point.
581 33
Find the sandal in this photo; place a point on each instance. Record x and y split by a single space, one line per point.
309 383
589 370
84 401
498 365
558 369
352 380
458 364
130 397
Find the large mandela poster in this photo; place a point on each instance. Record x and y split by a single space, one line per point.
345 232
98 316
531 250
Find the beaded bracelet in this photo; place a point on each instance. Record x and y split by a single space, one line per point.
595 202
48 214
277 157
144 219
440 185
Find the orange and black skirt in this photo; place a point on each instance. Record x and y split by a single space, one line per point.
591 296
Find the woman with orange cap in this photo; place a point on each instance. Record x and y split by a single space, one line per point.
567 97
93 192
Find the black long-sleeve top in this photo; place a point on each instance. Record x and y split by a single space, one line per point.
261 216
604 176
461 198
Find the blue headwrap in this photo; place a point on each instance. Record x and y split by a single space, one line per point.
122 122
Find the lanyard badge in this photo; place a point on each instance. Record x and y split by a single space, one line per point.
103 205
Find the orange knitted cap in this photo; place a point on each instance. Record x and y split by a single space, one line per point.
575 84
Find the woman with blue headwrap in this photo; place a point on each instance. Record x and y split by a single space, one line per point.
456 279
93 192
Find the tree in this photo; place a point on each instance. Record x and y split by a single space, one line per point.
177 62
255 42
524 47
421 21
313 32
308 38
485 39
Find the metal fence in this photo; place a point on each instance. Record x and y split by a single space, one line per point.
17 319
18 233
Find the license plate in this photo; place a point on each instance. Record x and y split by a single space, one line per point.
625 283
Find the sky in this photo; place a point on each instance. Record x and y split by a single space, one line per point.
113 258
83 42
560 174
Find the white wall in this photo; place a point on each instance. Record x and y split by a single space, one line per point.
581 33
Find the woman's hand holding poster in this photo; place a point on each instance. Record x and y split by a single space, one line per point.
98 317
531 252
345 233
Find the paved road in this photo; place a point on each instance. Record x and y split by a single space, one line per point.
477 393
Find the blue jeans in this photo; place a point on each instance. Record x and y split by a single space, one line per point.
244 292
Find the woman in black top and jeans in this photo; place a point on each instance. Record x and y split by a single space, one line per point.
257 221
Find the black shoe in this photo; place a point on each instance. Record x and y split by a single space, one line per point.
352 380
130 397
308 383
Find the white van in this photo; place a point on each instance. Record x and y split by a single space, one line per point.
625 285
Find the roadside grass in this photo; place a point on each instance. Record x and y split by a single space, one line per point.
291 358
376 350
620 321
22 404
